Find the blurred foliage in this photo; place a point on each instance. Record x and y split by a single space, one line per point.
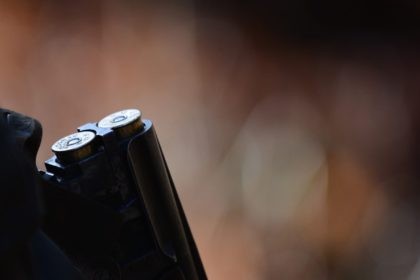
290 127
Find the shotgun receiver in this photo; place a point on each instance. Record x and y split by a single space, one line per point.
111 210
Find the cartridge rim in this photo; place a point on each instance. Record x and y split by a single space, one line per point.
120 119
73 142
124 123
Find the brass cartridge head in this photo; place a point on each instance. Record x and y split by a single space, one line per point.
125 123
74 147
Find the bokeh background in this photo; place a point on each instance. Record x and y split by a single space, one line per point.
290 127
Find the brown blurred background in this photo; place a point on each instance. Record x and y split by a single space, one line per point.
290 127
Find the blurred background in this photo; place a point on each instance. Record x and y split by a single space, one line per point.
290 127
